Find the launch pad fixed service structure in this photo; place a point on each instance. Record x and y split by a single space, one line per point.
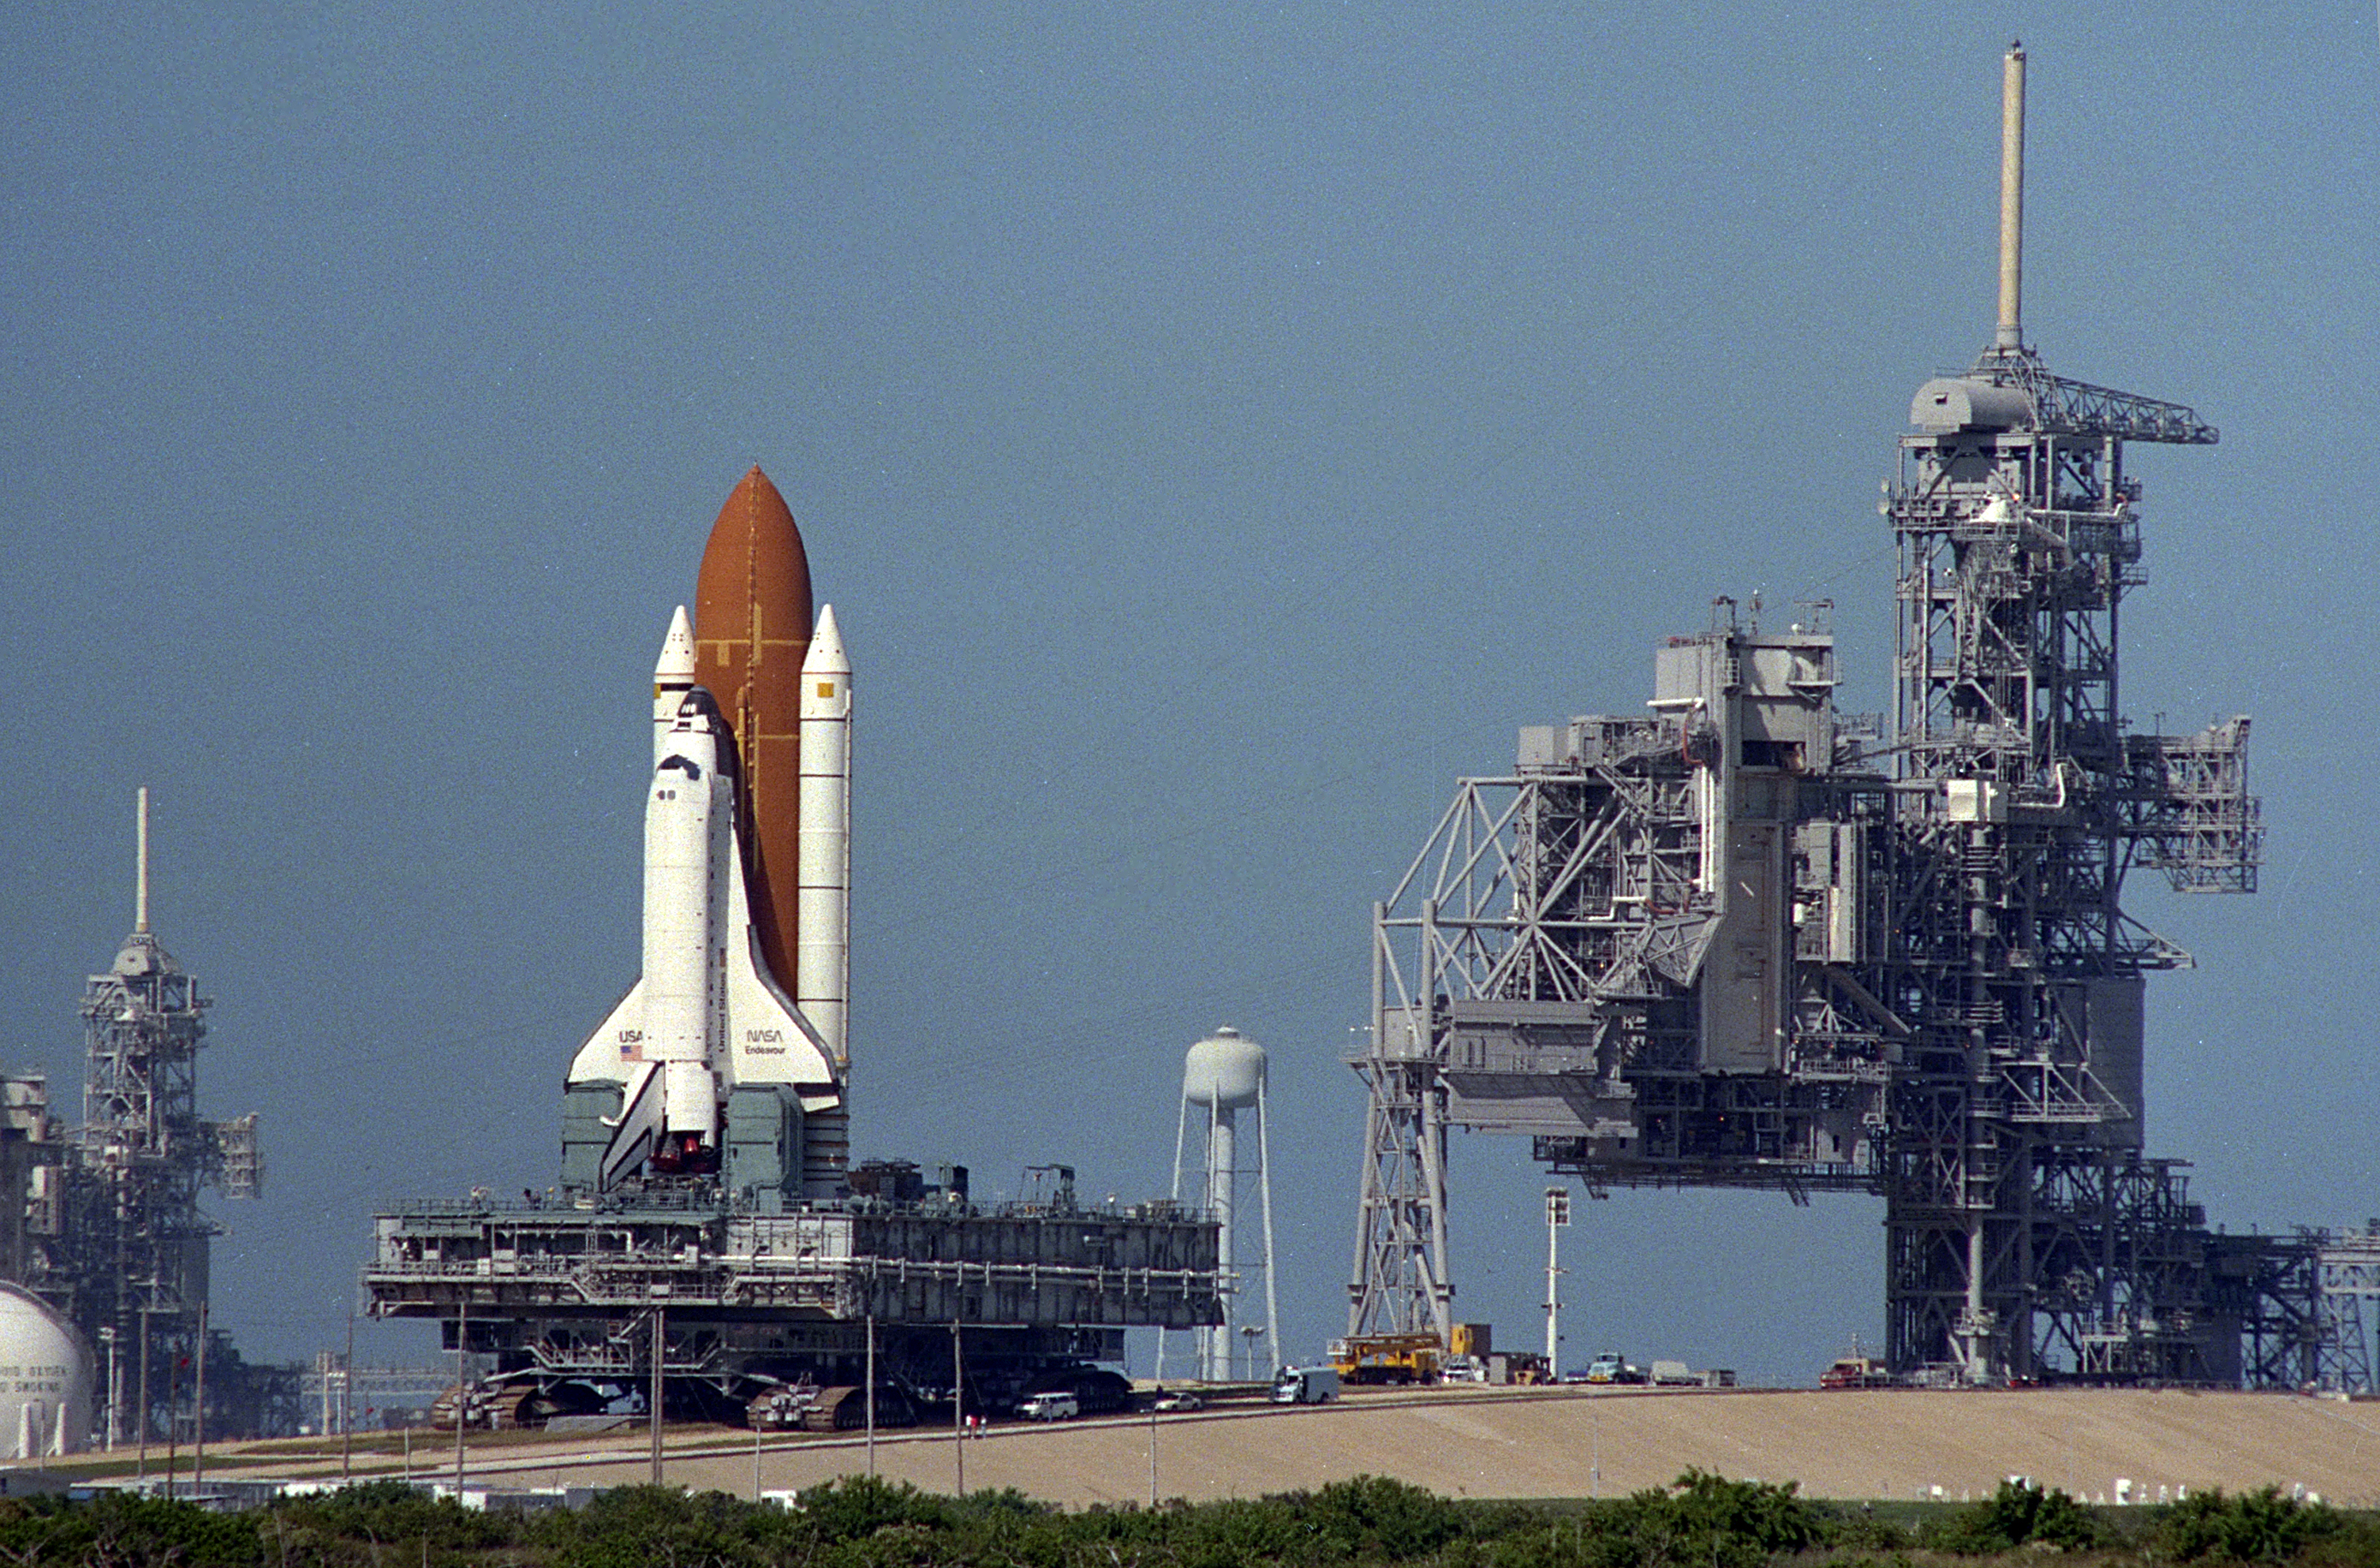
1745 940
103 1220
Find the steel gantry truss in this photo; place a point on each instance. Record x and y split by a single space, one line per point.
115 1239
1742 940
2348 1277
2021 802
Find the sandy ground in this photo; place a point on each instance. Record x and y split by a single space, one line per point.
1484 1442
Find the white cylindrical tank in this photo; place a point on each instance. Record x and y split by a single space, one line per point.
1225 1073
822 892
45 1378
1225 1070
678 855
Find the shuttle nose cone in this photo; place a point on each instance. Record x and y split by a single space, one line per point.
697 712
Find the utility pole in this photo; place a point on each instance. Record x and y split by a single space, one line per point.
115 1386
958 1405
143 1423
661 1341
1557 1220
347 1399
172 1420
871 1396
462 1404
199 1412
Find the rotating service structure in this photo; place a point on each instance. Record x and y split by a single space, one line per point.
1742 939
709 1218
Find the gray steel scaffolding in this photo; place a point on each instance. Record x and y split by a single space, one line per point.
116 1237
1742 940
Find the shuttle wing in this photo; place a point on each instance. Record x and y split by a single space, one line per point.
769 1040
611 1054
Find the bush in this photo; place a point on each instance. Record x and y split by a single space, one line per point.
125 1530
383 1513
2355 1544
2018 1514
1373 1517
859 1506
1859 1530
1702 1521
655 1526
2257 1526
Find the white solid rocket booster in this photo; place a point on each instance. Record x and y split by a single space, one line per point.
681 912
822 954
682 897
672 679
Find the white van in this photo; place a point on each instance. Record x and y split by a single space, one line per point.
1050 1407
1305 1385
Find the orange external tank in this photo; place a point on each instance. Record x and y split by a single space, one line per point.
751 630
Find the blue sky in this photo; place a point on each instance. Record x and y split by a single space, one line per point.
1218 428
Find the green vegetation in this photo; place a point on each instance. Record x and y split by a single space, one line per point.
2016 1516
1702 1521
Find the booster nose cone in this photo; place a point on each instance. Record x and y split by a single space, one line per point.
826 657
675 666
673 677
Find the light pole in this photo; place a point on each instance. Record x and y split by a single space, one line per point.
660 1346
346 1399
199 1433
142 1425
958 1408
1557 1220
462 1399
114 1391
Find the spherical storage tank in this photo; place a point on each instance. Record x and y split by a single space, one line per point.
1225 1070
45 1378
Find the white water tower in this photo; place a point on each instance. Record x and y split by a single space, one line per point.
1223 1076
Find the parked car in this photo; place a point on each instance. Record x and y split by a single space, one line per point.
1177 1400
